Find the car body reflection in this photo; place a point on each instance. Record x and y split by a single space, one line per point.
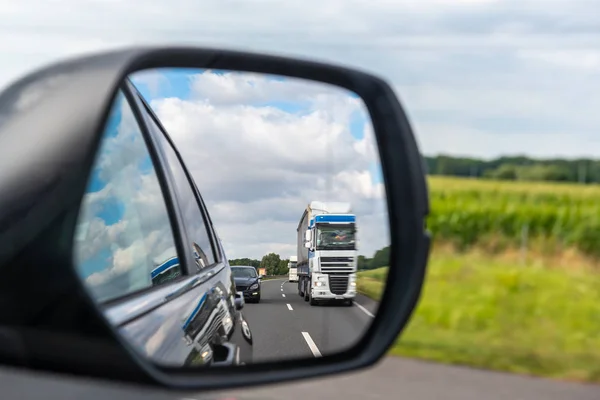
196 324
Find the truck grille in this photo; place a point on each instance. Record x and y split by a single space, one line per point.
337 264
338 284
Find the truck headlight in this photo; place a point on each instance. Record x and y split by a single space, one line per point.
253 287
322 278
353 284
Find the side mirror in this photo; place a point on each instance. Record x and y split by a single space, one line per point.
101 218
239 300
261 276
307 235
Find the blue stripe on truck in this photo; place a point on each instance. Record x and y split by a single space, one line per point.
331 218
335 218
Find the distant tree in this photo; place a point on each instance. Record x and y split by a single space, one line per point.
540 172
503 172
381 258
362 262
283 267
245 261
516 168
271 262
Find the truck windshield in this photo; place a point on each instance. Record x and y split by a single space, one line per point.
335 237
293 264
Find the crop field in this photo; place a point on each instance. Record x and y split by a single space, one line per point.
550 217
486 306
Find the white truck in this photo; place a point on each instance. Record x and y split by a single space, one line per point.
327 253
292 269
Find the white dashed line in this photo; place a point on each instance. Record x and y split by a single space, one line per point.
364 310
282 289
311 345
290 307
283 294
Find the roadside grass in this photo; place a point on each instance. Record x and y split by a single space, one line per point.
494 313
371 283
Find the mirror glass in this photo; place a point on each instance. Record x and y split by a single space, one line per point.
248 225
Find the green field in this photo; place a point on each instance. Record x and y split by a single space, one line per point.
496 214
483 305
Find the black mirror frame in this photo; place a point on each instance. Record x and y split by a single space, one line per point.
85 88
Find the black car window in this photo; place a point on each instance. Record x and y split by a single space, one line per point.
124 241
243 272
195 224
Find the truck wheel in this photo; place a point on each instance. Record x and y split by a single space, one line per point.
312 301
306 294
349 303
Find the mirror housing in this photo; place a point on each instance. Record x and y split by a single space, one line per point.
47 148
307 235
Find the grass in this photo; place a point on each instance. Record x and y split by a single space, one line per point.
486 301
371 283
494 313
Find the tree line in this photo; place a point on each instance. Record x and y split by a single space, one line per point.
517 168
272 262
275 265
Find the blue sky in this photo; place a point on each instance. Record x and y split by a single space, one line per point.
177 83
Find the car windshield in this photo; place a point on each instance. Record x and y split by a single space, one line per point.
244 272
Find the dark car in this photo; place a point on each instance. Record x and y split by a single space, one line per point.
247 281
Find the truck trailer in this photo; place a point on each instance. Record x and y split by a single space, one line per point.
292 269
327 253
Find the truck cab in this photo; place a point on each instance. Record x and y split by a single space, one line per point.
328 254
292 269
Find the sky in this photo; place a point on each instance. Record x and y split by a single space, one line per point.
260 148
480 78
477 77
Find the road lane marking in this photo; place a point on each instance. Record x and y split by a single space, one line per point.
290 307
282 289
311 345
283 294
364 310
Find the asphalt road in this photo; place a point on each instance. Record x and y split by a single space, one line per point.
285 326
278 332
397 378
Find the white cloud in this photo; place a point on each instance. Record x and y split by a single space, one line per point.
130 244
472 59
258 165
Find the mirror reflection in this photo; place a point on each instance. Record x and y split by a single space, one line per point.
249 225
